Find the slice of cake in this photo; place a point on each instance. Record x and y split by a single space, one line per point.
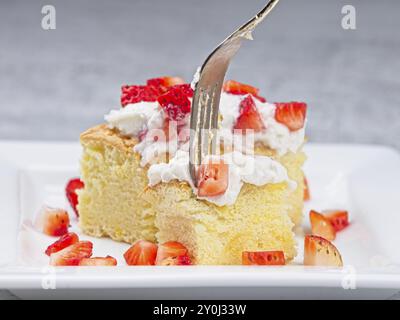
137 182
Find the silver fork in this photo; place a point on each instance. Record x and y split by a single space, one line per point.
205 106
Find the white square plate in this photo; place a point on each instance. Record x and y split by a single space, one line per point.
362 179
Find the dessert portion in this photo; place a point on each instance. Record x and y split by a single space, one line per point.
249 196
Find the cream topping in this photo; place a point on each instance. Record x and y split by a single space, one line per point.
244 167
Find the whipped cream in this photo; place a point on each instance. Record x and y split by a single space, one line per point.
257 170
136 118
244 167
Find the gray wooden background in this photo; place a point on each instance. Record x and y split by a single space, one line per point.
55 84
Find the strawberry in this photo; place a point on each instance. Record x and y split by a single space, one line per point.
98 262
338 218
213 179
171 250
65 241
175 102
72 255
185 88
249 118
135 94
163 83
321 226
291 114
141 253
263 258
307 195
70 190
237 88
53 222
320 252
176 261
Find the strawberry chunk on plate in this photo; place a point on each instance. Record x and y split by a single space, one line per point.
141 253
235 87
249 117
72 255
53 221
171 250
98 262
65 241
291 114
321 252
70 191
338 218
213 179
263 258
307 195
321 226
176 261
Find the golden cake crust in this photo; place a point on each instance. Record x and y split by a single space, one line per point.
111 137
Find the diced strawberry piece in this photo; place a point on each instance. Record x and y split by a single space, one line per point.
135 94
65 241
249 118
176 261
53 221
338 218
320 252
307 195
171 250
321 226
72 255
186 89
235 87
141 253
98 262
213 179
263 258
165 82
291 114
70 190
175 103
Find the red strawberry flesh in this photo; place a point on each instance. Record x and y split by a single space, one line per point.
65 241
70 190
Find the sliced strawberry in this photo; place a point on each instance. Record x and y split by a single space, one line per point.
235 87
141 253
320 252
170 250
321 226
291 114
53 221
165 81
249 118
65 241
176 261
307 195
135 94
70 190
338 218
263 258
175 102
213 179
98 262
72 255
185 88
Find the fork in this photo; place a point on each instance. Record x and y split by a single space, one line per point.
210 78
